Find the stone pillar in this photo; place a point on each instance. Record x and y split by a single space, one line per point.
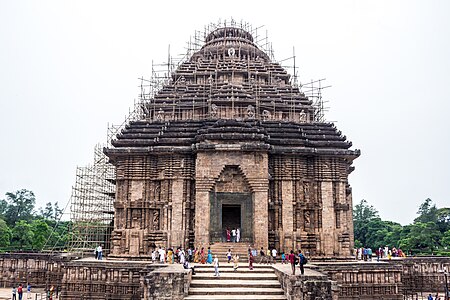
177 214
328 218
287 209
202 217
260 217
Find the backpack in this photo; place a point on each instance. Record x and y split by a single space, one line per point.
303 259
295 259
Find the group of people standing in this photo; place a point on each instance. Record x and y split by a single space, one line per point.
19 292
366 253
233 235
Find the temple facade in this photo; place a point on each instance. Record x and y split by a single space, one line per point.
230 142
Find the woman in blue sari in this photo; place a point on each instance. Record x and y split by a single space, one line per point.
209 260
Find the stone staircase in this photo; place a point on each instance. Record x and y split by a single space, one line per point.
259 283
221 250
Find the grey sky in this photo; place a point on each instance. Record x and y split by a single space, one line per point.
67 68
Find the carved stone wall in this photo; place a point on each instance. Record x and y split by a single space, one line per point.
310 204
40 270
153 204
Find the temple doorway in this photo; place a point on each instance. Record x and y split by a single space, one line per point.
231 217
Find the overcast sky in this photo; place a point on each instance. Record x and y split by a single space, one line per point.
68 68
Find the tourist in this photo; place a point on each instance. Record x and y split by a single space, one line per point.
162 255
202 256
269 256
228 235
238 235
28 290
302 260
96 252
430 297
229 255
187 266
235 262
437 297
20 291
182 256
14 293
233 235
274 255
169 255
283 258
100 252
190 254
216 266
196 253
51 291
250 261
292 259
262 255
153 255
210 258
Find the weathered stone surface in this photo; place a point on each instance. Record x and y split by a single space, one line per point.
166 283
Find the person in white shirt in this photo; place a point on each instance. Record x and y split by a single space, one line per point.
274 255
238 235
233 235
216 266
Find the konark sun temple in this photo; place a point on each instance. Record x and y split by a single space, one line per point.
228 140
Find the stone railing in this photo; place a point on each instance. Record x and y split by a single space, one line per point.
170 282
313 285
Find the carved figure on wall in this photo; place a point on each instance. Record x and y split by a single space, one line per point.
155 221
307 217
302 116
266 115
306 190
157 190
250 111
160 115
214 110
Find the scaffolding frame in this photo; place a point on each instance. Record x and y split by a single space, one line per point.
91 205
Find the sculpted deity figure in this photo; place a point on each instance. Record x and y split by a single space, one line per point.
155 220
250 111
214 110
307 216
160 115
266 115
302 116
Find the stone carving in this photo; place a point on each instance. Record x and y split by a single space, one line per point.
155 222
266 115
160 115
214 110
302 116
306 190
250 111
307 217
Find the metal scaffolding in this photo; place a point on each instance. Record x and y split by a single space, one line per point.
91 205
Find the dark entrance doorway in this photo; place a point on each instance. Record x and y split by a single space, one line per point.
231 217
232 210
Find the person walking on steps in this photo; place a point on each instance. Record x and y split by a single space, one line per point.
302 260
216 266
292 260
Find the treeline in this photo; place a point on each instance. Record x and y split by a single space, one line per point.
429 234
23 228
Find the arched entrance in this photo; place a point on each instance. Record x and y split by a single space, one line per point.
231 206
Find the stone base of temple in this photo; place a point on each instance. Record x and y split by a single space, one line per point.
88 278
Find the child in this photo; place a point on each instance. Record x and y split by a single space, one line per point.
283 258
235 262
229 255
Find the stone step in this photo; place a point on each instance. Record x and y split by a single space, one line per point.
235 283
235 291
231 270
234 276
235 297
230 265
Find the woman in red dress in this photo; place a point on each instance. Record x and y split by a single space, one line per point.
228 235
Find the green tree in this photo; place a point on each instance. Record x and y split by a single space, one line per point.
5 234
41 232
362 214
47 211
22 236
20 206
427 212
445 241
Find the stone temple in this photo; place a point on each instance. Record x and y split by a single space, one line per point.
231 142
